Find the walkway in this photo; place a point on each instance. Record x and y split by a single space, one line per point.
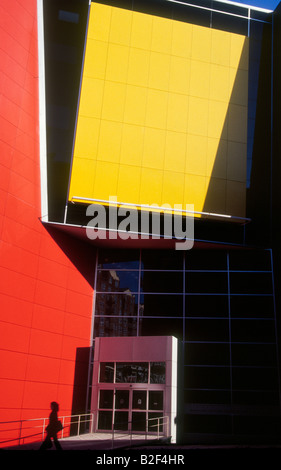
95 441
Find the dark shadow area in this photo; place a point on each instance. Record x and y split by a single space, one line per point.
79 252
64 33
80 388
227 192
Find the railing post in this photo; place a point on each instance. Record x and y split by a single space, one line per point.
43 430
20 431
62 427
78 430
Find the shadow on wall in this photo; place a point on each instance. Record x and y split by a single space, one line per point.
80 253
226 192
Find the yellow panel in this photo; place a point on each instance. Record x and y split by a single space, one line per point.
175 151
196 155
87 135
96 56
199 79
129 184
159 73
91 97
141 31
99 29
110 141
117 63
220 87
198 116
173 187
113 101
179 75
177 112
132 145
138 67
161 39
106 180
121 25
156 110
163 113
151 186
181 39
221 43
154 148
201 43
135 105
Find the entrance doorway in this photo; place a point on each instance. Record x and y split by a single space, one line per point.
131 410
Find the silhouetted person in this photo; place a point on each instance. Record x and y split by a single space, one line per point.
52 429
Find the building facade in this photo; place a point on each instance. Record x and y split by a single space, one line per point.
140 189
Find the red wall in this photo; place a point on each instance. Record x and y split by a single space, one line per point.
45 278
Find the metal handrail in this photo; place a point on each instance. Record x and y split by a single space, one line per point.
147 432
67 422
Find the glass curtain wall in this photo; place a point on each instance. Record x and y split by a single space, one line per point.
220 305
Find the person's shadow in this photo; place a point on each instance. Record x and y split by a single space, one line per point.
52 429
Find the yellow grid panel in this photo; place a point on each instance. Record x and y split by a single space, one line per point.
163 113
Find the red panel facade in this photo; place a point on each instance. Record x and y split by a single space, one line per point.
45 291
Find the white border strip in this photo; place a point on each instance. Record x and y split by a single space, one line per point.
244 5
42 113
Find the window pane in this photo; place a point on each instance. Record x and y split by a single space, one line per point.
118 259
206 282
139 399
106 399
163 327
157 372
107 372
207 377
207 354
108 326
105 420
116 304
162 305
157 281
207 330
122 399
155 401
250 283
117 281
138 421
206 305
132 372
205 259
161 259
121 420
251 306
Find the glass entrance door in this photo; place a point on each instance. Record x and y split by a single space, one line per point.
128 410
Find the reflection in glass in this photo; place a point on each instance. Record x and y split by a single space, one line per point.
106 399
132 373
108 326
117 281
157 372
116 304
107 372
